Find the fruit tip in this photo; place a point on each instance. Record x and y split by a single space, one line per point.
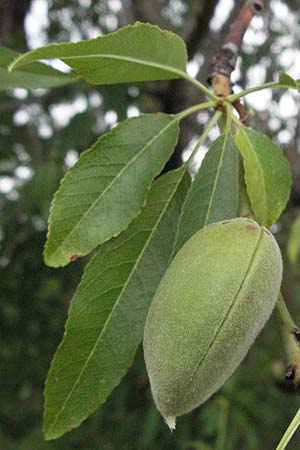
171 422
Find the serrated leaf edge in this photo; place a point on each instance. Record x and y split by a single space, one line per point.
47 434
26 57
83 155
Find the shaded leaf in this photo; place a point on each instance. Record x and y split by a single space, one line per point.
101 194
34 75
214 193
137 52
108 311
267 175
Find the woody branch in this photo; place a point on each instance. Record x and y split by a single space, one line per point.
224 61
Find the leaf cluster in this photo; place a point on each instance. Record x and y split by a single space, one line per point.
110 202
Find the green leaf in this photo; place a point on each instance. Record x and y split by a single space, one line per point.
293 245
108 311
137 52
267 175
35 75
286 80
106 189
214 193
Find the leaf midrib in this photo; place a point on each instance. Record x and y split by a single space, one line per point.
235 297
213 192
106 323
182 213
144 62
109 186
131 59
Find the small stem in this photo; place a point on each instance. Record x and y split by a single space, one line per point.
229 116
222 423
226 119
200 86
204 135
273 84
195 108
290 334
290 431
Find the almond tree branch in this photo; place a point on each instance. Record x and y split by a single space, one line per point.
225 59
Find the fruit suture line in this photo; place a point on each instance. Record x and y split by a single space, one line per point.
205 316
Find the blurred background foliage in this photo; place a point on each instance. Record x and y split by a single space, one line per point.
42 132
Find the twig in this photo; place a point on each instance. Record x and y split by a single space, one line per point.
290 334
224 61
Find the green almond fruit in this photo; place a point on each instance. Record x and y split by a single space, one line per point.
213 301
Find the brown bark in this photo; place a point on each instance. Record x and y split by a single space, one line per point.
224 61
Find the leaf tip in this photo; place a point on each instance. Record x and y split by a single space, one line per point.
11 66
52 261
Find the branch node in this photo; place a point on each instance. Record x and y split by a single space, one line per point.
257 6
296 333
243 112
290 372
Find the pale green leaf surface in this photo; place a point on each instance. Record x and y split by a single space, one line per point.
106 189
35 75
267 175
137 52
214 193
293 245
108 311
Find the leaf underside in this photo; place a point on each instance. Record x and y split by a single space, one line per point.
267 175
137 52
214 193
106 189
107 313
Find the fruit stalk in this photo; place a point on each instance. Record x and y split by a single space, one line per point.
290 335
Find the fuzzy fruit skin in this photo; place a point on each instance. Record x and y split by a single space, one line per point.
213 301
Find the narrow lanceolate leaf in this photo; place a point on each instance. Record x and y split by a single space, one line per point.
108 311
35 75
214 193
106 189
137 52
267 175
